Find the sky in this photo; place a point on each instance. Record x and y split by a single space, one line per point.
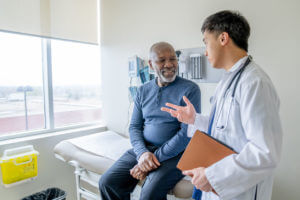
72 63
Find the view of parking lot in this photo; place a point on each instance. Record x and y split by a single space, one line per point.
68 109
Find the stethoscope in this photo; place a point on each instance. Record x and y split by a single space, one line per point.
236 77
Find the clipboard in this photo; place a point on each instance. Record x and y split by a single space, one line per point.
203 151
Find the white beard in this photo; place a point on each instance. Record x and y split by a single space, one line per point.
164 79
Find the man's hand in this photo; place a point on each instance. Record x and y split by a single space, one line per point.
148 162
199 179
185 114
137 173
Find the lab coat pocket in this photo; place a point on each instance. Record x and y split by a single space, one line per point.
224 113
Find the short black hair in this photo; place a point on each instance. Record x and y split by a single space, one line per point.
231 22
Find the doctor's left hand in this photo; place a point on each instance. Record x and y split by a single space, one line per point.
185 114
199 179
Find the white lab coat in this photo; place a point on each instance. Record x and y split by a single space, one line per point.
250 124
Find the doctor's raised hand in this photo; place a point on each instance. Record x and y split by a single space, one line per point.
185 114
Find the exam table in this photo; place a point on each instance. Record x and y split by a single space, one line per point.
93 154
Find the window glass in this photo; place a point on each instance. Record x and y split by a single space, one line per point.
76 83
21 84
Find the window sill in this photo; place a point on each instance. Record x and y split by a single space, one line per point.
22 137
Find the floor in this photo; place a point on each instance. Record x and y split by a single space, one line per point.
135 195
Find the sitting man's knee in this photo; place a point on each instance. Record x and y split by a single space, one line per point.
152 191
104 181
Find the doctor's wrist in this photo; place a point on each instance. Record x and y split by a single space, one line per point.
192 120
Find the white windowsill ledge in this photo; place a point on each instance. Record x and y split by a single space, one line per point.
95 128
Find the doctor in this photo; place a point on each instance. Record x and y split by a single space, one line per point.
244 115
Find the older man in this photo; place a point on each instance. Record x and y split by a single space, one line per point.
158 139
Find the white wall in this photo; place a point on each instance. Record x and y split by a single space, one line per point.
129 27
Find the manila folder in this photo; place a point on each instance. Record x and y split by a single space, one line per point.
203 151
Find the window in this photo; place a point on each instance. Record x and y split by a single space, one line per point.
73 80
76 83
21 84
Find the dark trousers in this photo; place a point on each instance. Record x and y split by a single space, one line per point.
117 183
